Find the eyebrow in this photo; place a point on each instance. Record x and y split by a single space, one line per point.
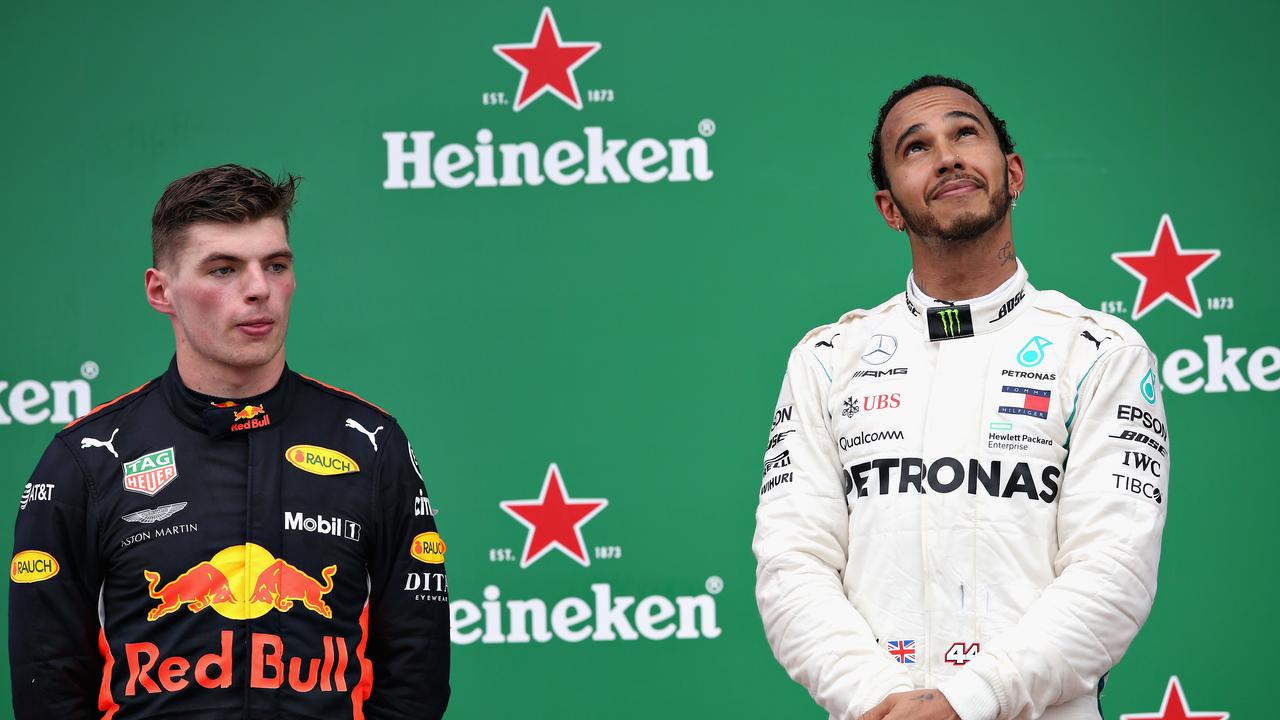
920 126
225 257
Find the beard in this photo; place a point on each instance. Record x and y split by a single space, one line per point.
964 227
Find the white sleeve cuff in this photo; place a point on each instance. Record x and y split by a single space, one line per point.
971 697
856 711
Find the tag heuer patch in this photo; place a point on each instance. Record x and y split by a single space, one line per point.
150 473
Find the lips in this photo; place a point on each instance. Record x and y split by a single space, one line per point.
256 326
957 186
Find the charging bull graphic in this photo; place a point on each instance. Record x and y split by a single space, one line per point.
266 583
197 588
283 583
250 412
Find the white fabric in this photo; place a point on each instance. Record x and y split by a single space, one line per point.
1049 569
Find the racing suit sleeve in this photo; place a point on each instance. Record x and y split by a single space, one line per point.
801 541
55 578
408 594
1111 515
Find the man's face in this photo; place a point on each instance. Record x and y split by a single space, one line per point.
947 175
229 288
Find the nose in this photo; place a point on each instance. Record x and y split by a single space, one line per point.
256 287
948 159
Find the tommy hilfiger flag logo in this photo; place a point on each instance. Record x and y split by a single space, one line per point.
904 651
1035 402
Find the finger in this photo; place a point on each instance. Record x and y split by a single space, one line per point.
880 711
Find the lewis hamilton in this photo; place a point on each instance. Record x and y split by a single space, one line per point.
965 487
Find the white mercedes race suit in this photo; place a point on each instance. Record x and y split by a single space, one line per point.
966 497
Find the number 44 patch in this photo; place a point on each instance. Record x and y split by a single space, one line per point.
961 653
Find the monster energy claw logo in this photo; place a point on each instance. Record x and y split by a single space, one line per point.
1148 388
950 321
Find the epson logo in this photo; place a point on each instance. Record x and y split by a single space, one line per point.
339 527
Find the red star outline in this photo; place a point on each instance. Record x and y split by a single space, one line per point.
1168 269
549 519
550 62
1177 709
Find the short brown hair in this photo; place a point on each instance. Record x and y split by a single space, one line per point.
222 194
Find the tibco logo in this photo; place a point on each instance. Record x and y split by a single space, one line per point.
654 618
26 402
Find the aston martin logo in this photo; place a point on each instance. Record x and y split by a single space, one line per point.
149 516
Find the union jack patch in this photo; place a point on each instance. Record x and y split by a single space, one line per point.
904 651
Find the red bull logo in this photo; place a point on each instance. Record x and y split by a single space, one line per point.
283 583
251 417
197 588
250 412
276 585
269 667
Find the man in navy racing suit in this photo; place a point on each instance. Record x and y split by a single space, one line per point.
231 539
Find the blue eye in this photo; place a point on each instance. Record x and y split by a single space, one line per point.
221 272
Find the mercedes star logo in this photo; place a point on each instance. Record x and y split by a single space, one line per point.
882 348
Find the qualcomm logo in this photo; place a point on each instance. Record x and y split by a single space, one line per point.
32 402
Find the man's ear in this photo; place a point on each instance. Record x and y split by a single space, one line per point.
889 210
157 288
1017 173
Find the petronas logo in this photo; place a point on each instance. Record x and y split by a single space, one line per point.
1148 387
950 321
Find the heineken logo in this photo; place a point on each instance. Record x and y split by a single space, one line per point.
150 473
949 323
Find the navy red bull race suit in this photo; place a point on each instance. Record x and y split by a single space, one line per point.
178 555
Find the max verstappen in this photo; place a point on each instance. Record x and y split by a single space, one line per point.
231 539
964 487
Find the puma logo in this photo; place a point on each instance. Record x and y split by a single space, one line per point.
827 343
94 442
1089 336
360 428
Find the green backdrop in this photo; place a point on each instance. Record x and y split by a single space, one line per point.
635 333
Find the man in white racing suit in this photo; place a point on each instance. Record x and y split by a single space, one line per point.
962 500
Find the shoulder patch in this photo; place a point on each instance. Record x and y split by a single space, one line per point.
115 404
1055 302
339 392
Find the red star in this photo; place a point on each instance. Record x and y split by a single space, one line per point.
1174 707
1166 271
547 63
554 520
